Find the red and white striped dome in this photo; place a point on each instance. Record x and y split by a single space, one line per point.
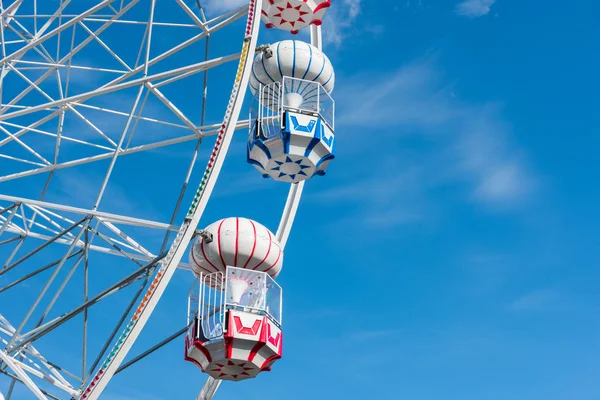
293 15
237 242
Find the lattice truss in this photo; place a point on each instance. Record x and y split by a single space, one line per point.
97 97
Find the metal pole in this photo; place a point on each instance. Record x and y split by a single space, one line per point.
152 349
117 327
34 273
45 289
51 325
10 217
59 291
85 312
13 239
16 379
46 244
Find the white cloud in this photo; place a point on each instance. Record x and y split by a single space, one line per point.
353 8
214 6
86 185
339 19
461 145
474 8
538 300
386 196
497 168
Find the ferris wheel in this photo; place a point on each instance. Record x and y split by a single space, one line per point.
105 97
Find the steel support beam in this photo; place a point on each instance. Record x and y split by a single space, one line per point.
152 349
10 362
55 323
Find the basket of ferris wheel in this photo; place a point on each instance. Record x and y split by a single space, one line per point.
235 305
292 115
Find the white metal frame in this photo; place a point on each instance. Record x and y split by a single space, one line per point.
208 305
271 105
207 292
51 224
295 192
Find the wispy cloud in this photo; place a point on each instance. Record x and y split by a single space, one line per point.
81 189
460 145
488 158
340 19
538 300
414 100
387 199
474 8
214 6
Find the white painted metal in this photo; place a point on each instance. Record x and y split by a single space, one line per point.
44 221
292 59
10 362
209 389
186 232
32 351
295 193
120 219
237 242
47 222
285 224
253 297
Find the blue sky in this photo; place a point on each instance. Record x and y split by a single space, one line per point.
450 252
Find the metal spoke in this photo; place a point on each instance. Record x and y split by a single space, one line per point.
55 323
53 122
152 349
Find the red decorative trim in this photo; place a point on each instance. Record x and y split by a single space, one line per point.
229 326
254 246
228 342
276 261
261 341
196 261
205 257
275 341
194 362
268 251
219 244
189 344
198 344
325 4
255 350
267 364
237 236
245 330
186 347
